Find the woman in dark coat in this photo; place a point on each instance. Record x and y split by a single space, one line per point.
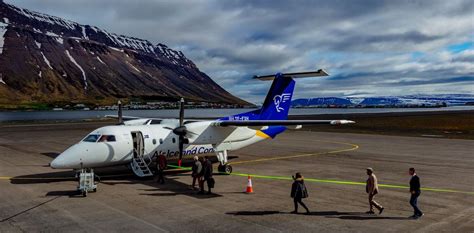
298 192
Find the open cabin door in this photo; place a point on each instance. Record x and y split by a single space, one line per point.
138 144
139 165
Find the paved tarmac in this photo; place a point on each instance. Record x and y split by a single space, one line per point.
36 198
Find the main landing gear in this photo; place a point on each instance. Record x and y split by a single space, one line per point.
224 167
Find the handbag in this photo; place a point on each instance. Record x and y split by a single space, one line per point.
212 182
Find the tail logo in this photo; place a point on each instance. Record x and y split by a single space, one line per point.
279 99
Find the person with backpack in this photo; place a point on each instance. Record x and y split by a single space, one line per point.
298 192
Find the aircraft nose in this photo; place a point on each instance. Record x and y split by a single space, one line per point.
58 162
68 159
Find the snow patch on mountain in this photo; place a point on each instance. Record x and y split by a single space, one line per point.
116 49
84 34
38 44
46 61
135 68
6 20
57 37
80 68
3 30
100 60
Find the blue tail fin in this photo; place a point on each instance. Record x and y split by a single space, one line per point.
277 102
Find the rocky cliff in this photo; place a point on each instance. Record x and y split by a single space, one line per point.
48 59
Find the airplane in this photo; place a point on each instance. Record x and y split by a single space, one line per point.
137 141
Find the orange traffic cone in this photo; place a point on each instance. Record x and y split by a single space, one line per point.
249 186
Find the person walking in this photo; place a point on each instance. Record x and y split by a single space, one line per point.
415 193
298 192
196 172
208 170
162 164
372 189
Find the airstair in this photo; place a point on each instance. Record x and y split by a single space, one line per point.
139 163
140 166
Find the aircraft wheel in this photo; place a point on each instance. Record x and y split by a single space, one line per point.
84 193
227 169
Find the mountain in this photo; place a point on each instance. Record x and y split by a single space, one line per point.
407 100
320 101
44 58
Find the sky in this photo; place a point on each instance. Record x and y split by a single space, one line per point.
369 48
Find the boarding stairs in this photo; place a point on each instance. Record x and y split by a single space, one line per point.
140 165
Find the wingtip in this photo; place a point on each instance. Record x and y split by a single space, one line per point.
342 122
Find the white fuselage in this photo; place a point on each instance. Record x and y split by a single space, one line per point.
114 145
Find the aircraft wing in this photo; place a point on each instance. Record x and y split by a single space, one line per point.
126 118
280 122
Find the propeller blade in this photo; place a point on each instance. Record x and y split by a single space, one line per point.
120 119
181 112
181 145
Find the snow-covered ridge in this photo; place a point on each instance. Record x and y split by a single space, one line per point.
407 100
45 18
87 32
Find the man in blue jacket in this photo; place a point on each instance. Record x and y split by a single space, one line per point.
415 193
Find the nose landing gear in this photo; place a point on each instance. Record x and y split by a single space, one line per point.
86 182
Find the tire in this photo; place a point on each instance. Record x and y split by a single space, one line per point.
227 169
221 168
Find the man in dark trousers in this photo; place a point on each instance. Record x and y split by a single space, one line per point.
298 192
162 164
415 193
208 170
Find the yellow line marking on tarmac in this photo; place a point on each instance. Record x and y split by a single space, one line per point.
339 182
342 182
353 147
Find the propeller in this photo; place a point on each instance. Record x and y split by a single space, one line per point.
180 130
120 119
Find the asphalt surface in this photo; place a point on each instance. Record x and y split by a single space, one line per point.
36 198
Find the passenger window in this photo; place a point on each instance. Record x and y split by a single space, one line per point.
154 141
91 138
107 138
161 140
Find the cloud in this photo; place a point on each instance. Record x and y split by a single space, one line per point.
375 47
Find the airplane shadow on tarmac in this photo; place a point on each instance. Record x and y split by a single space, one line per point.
328 214
115 176
52 155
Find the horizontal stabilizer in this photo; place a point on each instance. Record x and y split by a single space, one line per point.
280 122
318 73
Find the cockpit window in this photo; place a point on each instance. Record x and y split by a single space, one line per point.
91 138
107 138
